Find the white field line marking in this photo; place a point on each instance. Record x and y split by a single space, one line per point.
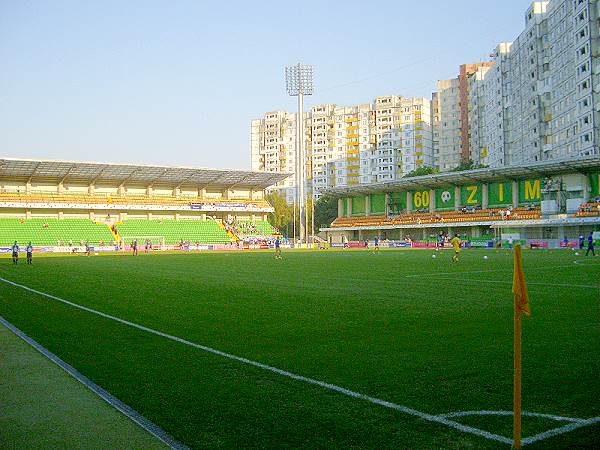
429 417
124 409
285 373
510 413
560 430
528 283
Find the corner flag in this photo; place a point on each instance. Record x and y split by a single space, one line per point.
521 307
519 285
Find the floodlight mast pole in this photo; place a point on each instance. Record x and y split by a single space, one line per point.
299 82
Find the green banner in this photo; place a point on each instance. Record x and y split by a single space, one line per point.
471 195
594 184
358 206
420 200
397 202
444 199
499 194
530 191
378 204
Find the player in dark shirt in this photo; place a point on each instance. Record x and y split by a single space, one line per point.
29 251
278 249
15 253
590 247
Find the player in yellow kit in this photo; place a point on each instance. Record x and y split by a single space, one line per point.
456 244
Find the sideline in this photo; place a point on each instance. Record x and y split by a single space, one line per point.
126 410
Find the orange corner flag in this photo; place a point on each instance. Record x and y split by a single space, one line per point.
519 285
521 307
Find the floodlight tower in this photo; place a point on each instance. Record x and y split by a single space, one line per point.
298 83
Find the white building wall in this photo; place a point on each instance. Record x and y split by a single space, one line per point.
448 152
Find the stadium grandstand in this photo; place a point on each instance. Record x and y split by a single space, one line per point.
58 204
546 204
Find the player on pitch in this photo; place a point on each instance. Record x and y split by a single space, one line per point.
278 249
456 245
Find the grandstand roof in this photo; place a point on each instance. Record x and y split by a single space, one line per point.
543 169
88 172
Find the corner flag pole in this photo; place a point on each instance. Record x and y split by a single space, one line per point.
521 307
517 383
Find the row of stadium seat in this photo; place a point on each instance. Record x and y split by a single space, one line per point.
590 209
492 214
256 228
121 200
173 231
53 231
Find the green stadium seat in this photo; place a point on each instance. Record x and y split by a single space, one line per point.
42 231
173 231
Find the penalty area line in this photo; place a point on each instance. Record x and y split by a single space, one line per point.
332 387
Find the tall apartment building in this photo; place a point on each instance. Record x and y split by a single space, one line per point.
451 125
446 124
493 100
386 140
273 140
542 96
367 143
478 152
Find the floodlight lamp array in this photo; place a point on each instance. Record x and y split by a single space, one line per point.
299 79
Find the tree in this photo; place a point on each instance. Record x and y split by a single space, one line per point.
423 170
326 210
281 218
468 165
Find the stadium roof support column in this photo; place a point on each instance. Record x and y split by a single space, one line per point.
28 187
456 198
586 187
432 200
340 207
409 205
484 196
367 205
387 203
515 193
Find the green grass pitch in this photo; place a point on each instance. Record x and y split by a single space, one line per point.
399 326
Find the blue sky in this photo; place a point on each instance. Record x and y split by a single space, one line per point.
178 82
